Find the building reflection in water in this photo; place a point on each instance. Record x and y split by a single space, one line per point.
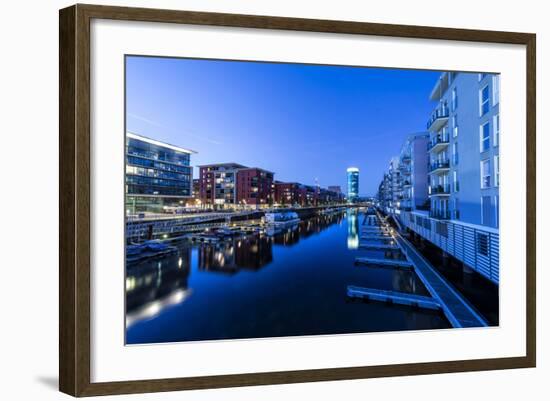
154 285
252 252
353 229
291 235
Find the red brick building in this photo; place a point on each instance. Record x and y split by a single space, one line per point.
217 184
227 185
254 187
289 193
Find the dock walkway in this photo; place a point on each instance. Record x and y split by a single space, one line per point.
383 262
394 297
456 309
368 245
376 237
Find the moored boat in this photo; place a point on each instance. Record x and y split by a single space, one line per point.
281 219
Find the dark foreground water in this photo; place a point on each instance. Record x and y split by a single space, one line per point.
288 285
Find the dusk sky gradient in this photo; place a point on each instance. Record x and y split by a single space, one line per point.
302 122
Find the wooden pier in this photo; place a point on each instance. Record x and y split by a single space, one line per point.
393 297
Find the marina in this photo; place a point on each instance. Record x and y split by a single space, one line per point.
455 307
302 270
394 275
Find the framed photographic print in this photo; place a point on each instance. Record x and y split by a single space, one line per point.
251 200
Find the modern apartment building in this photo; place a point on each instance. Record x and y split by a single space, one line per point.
158 175
462 173
413 165
335 188
294 193
254 187
218 184
384 195
327 196
463 151
396 180
227 185
289 193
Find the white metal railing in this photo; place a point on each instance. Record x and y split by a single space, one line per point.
475 246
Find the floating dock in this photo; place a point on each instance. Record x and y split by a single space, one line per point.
402 264
378 246
393 297
454 306
383 232
376 237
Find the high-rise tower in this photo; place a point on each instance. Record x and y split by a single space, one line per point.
353 184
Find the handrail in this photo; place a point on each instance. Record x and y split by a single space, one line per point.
475 246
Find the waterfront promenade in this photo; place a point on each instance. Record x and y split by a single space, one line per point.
161 226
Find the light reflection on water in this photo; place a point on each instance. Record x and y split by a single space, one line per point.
293 283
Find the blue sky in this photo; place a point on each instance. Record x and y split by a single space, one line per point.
303 122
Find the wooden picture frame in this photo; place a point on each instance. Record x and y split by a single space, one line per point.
74 199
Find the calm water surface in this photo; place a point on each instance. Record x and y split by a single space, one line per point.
293 283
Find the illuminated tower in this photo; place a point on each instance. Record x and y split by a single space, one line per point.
353 184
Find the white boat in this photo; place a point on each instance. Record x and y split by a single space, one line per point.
281 219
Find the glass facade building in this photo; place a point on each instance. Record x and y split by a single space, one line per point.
353 184
158 175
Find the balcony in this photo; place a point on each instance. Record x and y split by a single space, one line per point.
439 166
406 159
438 142
405 170
406 183
439 190
438 119
440 214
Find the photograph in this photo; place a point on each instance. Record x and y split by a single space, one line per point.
273 199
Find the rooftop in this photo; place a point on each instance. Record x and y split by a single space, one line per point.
440 87
158 143
229 164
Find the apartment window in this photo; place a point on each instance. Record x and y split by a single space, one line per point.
496 129
484 100
496 89
484 137
456 213
455 153
455 126
497 171
454 102
485 169
455 181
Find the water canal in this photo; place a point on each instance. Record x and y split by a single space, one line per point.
293 283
